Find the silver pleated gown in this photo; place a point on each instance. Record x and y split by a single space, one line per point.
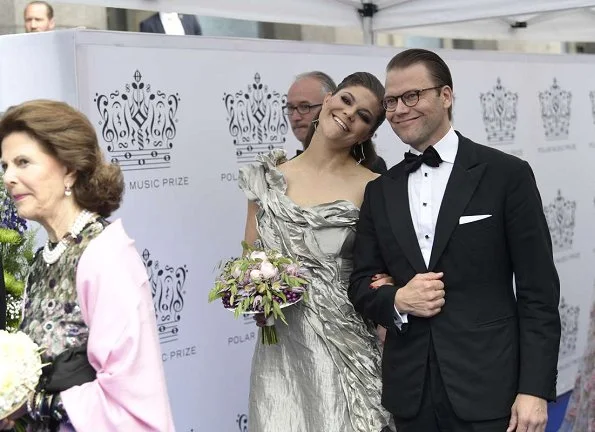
324 374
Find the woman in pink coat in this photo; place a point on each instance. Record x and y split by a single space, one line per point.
88 303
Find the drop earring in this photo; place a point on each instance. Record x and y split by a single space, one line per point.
363 155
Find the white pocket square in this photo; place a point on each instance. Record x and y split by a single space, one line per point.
474 218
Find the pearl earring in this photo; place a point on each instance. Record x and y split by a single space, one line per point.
67 191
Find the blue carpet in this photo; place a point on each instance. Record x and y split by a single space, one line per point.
556 412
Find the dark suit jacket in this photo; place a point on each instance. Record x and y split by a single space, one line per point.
490 346
378 166
153 25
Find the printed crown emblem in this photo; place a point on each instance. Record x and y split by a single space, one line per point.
167 288
560 216
138 125
592 97
555 111
242 422
255 120
499 113
569 320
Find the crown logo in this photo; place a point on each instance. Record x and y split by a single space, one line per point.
167 288
499 113
138 125
560 220
255 120
555 111
592 97
569 321
242 422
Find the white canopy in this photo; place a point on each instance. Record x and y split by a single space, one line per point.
551 20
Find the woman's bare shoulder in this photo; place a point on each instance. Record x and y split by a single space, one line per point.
366 175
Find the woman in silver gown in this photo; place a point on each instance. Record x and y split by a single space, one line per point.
324 374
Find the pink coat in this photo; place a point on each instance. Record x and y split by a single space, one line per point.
129 393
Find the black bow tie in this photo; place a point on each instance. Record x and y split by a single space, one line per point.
430 157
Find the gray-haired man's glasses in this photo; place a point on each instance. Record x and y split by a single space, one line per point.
301 108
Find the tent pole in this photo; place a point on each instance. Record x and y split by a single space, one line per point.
367 13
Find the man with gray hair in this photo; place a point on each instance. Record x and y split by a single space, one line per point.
304 101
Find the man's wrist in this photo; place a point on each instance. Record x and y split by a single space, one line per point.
398 304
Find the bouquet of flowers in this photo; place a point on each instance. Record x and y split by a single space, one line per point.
261 282
20 369
17 245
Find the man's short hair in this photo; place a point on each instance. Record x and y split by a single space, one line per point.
327 83
48 7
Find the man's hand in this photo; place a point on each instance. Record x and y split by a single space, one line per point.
381 279
423 296
528 414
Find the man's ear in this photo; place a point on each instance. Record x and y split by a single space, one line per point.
447 97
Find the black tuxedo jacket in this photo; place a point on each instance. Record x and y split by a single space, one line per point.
153 25
490 345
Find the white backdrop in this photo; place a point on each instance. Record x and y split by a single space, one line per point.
172 110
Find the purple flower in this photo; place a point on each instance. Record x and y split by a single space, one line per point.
9 217
292 269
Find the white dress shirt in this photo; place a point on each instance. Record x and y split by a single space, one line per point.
171 23
426 188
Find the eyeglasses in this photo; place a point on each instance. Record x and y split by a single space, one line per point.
301 108
409 98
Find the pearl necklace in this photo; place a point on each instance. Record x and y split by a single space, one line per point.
50 256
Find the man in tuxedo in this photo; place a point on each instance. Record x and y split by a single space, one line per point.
304 101
171 23
453 224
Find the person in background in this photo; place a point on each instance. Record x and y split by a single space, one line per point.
39 17
171 23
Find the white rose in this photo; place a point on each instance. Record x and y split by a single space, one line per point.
268 270
255 274
261 255
20 364
258 255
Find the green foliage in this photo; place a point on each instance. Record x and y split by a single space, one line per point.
17 249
